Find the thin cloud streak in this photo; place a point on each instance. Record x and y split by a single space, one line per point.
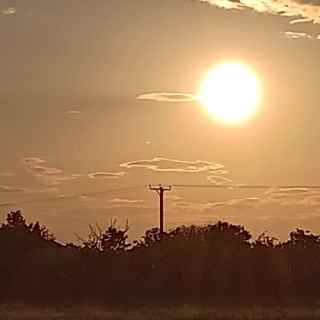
49 176
218 180
303 11
168 97
304 205
8 11
173 165
125 201
298 35
7 189
73 112
106 175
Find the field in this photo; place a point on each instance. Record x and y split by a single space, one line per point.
188 312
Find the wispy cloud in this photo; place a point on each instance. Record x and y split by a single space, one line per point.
173 197
48 175
168 96
226 4
300 10
282 193
73 112
298 35
8 11
126 203
221 206
32 160
185 206
218 179
312 200
106 175
173 165
253 209
94 202
274 203
7 189
39 171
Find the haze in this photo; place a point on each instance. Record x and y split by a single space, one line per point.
97 95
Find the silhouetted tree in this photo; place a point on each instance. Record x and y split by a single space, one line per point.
15 220
41 232
218 262
112 239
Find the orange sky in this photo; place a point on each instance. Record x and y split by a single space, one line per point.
70 120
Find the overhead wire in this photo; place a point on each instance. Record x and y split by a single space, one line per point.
119 190
71 196
245 186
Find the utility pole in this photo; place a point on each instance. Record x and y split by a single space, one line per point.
160 191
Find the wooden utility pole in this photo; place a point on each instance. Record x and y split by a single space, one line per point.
160 191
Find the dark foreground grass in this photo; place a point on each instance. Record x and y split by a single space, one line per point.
172 312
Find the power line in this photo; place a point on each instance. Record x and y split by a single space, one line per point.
71 196
233 186
208 186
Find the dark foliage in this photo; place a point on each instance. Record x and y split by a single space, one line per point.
218 262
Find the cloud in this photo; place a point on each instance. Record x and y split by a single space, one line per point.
245 210
298 35
39 171
194 207
286 203
126 203
168 97
282 193
172 165
73 112
278 209
106 175
312 201
115 203
218 180
7 189
33 160
8 11
221 207
290 203
301 10
173 197
226 4
52 176
48 175
250 201
292 190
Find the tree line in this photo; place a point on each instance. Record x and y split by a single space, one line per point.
217 262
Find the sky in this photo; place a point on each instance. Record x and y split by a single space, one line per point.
98 95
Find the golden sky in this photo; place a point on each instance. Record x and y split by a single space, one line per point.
98 95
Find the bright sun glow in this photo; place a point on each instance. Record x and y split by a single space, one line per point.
230 92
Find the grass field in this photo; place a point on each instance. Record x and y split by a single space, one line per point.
189 312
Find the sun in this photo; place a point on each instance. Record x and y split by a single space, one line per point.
231 92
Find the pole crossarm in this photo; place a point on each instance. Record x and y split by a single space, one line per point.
159 187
